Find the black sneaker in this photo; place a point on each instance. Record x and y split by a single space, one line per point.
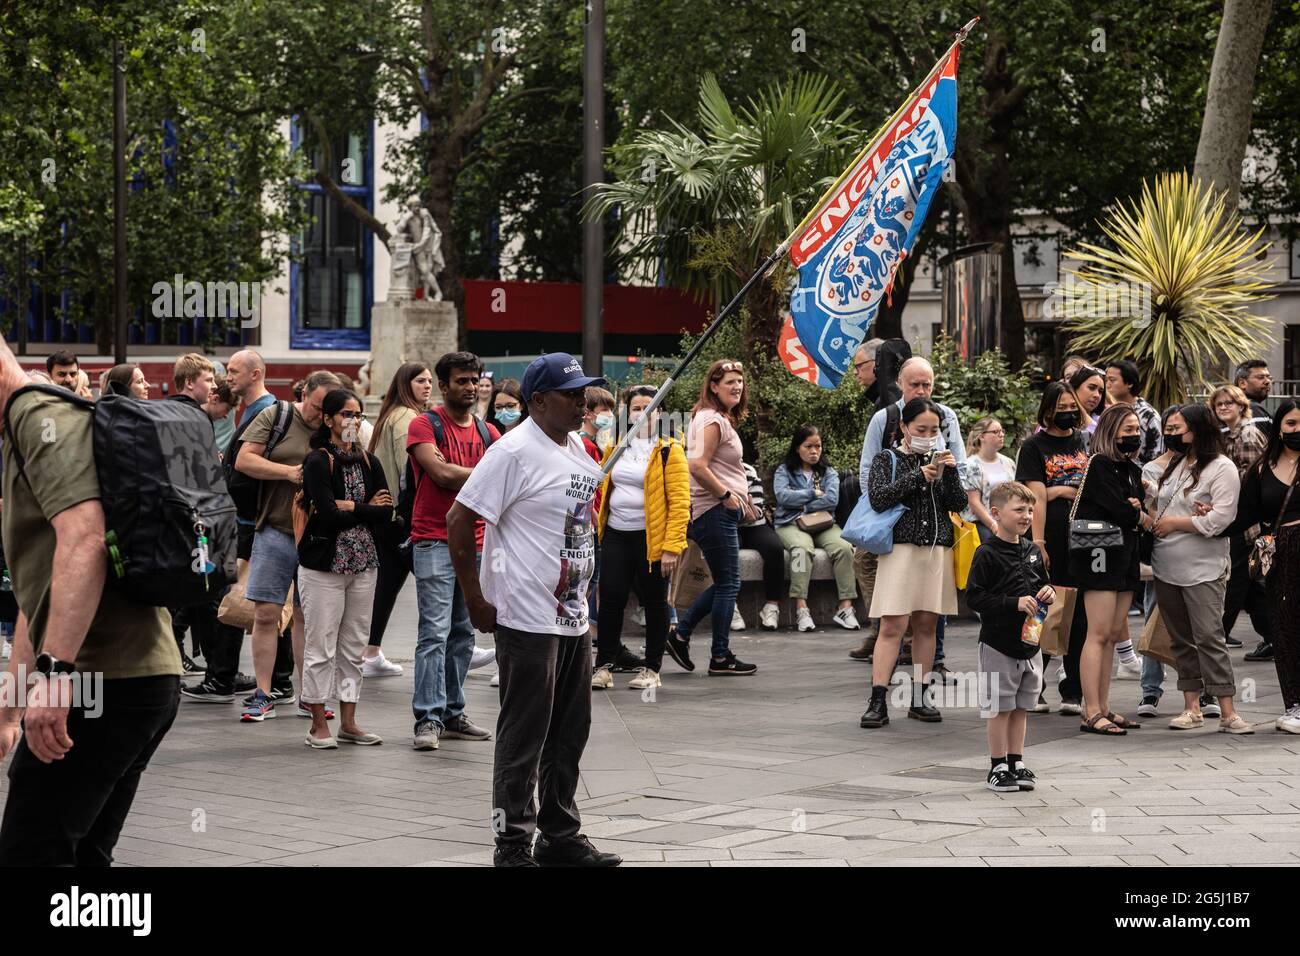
1149 707
1232 642
575 851
730 666
1263 652
625 662
513 854
1025 778
208 693
1002 780
245 684
1210 706
191 666
679 650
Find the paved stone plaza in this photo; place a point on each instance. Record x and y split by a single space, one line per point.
765 771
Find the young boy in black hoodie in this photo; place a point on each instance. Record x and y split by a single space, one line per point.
1006 586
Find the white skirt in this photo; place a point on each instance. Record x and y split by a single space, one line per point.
913 578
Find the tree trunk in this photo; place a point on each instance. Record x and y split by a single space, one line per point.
442 170
1225 128
762 329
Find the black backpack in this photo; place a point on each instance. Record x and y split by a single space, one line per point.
247 491
406 497
169 520
850 492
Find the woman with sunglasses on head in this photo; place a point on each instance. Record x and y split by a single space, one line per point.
345 498
986 467
1268 499
719 502
407 396
1196 501
1110 496
1089 385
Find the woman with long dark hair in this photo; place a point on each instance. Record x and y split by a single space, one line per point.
1051 464
345 497
1107 575
719 501
407 396
1089 387
1196 501
807 490
1267 499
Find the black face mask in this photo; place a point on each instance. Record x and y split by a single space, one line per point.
1066 420
1291 440
1128 444
1176 444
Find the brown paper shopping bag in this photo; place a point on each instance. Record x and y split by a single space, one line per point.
690 579
237 611
1156 641
1056 626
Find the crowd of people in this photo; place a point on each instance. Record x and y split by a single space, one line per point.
499 497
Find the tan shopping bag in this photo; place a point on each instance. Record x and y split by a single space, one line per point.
1056 626
690 579
237 611
1156 641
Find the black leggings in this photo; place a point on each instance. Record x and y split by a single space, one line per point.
764 539
388 584
623 561
1283 586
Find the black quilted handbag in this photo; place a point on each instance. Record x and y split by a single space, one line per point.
1087 534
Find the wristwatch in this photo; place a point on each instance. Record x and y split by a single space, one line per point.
49 665
725 495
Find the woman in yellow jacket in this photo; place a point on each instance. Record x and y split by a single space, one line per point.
645 506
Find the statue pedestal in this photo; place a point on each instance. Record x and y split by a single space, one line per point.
418 330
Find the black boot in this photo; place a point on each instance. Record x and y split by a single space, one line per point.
920 710
877 714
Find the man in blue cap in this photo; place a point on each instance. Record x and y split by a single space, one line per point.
535 490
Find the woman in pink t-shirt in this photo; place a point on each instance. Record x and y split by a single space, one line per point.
719 502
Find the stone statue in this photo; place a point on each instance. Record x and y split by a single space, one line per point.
416 249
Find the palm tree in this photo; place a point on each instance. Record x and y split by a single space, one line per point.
1196 273
705 206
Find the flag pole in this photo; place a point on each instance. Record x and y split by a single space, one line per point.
769 264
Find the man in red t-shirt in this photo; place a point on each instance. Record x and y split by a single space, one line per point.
442 457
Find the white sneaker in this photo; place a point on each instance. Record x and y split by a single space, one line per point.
4 650
602 678
1292 716
846 619
644 678
482 657
380 666
496 680
803 620
638 616
737 622
1129 671
770 617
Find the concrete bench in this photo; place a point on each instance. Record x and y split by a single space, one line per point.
822 597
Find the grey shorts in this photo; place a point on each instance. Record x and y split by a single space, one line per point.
1007 684
272 567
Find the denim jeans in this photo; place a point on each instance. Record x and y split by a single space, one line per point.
1153 672
715 533
444 638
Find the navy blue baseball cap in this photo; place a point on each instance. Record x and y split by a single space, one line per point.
556 371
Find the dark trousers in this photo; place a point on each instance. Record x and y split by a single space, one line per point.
622 562
1243 594
392 576
764 539
1284 594
1072 686
70 812
542 730
715 533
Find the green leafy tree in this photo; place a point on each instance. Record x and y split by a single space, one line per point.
986 386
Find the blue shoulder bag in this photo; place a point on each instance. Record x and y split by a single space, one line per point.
873 530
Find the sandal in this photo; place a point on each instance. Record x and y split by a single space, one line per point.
1119 720
1111 729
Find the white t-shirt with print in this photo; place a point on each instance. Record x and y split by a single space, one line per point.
539 548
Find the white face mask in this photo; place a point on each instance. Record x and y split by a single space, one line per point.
922 445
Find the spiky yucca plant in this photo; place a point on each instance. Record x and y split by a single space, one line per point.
1198 272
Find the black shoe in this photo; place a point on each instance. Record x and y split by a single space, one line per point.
1002 780
191 666
679 650
1148 707
245 684
1263 652
730 666
943 675
1210 706
625 662
877 714
575 851
1232 642
925 713
208 693
279 695
513 854
1025 778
